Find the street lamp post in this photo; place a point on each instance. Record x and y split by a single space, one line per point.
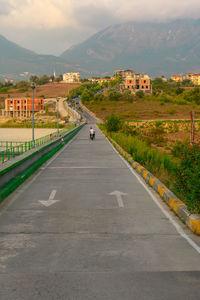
57 99
33 138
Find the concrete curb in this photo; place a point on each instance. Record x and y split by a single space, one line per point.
179 208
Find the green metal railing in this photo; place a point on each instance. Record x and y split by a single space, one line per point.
11 149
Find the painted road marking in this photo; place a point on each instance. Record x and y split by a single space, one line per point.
50 201
164 211
119 195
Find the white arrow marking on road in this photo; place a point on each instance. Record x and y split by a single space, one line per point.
51 200
119 195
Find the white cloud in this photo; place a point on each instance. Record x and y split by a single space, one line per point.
156 10
34 14
90 13
78 19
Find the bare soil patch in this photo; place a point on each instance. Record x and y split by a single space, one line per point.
23 134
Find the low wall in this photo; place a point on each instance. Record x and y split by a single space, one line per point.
100 121
74 115
27 159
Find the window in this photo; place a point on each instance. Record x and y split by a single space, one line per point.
144 81
137 87
128 87
147 87
142 86
130 81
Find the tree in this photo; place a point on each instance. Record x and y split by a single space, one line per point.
42 80
114 95
22 84
179 91
52 78
128 96
99 97
59 78
113 123
187 82
140 94
86 96
46 108
33 78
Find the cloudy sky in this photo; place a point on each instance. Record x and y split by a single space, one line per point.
52 26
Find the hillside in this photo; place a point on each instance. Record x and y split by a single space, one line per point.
153 48
15 60
158 49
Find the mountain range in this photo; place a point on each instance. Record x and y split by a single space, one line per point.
153 48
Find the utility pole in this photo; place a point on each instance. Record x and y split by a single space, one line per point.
57 99
192 133
33 138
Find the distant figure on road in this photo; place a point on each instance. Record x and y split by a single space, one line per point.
92 133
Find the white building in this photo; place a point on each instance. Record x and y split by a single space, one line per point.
71 77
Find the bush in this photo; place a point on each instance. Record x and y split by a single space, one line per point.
113 123
127 96
99 97
86 96
114 95
140 94
187 182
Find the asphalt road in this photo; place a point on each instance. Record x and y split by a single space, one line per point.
64 234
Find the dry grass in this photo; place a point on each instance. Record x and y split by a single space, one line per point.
173 131
144 110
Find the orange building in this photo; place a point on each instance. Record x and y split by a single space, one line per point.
138 82
22 107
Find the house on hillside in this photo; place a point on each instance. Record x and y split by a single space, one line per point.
195 78
138 82
71 77
22 107
177 78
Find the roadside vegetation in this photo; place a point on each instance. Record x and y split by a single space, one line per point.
178 168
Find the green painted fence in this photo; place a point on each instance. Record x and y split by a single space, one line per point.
11 149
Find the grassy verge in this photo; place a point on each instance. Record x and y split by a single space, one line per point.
179 171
